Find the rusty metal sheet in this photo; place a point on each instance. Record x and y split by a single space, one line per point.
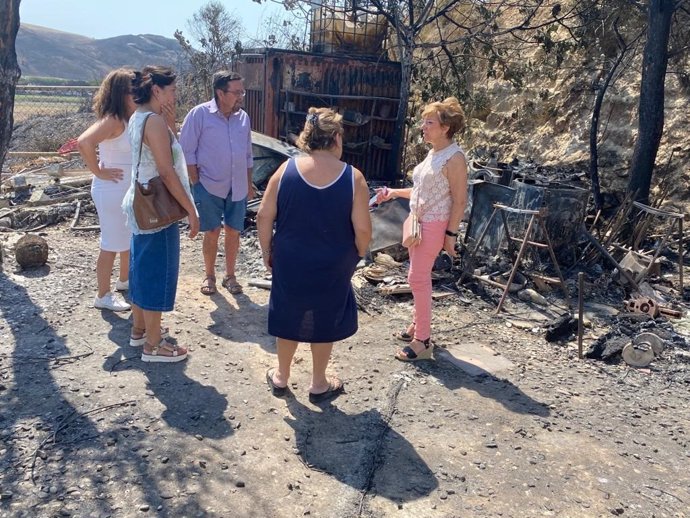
484 195
369 89
386 223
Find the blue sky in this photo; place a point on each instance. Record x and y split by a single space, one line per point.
107 18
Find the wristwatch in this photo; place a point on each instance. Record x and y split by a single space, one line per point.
450 233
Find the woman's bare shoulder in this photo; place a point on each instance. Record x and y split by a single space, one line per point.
112 125
457 160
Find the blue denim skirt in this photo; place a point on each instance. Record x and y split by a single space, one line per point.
154 265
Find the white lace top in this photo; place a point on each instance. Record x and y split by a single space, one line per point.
431 198
147 168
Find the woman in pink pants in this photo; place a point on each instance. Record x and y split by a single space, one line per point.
438 197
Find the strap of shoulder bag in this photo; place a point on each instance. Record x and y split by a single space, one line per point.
141 144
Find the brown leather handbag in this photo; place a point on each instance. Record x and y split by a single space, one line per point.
154 206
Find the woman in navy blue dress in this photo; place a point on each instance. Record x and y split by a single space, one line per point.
319 205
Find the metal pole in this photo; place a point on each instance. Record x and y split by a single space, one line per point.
523 247
680 256
580 311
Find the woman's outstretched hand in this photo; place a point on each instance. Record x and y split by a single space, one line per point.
384 194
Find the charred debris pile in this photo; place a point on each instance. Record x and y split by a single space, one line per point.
530 237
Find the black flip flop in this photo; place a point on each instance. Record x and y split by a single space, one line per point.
332 392
275 389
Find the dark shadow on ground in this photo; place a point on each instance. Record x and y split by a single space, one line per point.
360 450
120 326
33 273
34 409
33 400
190 407
231 323
485 384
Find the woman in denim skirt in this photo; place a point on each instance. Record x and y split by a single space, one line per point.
155 254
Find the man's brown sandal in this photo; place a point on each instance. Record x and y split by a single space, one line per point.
230 282
208 286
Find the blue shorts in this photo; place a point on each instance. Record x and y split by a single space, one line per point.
214 210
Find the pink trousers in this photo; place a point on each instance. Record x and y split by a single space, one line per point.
422 259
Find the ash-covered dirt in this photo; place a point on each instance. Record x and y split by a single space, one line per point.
87 429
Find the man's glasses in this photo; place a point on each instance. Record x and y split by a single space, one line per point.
238 93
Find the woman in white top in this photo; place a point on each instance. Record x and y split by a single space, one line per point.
113 105
438 198
156 253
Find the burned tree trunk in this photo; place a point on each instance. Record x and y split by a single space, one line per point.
405 44
9 70
651 110
401 116
594 133
596 114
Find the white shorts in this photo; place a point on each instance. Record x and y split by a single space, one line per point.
115 233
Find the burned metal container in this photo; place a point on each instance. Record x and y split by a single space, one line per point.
282 85
483 196
566 209
387 222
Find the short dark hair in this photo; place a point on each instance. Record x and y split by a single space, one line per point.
222 78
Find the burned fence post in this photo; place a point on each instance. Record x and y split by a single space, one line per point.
580 311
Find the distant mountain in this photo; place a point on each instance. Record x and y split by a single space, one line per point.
49 53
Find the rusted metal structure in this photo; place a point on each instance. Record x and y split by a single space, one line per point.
347 27
347 70
281 85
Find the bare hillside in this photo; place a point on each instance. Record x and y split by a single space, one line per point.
49 53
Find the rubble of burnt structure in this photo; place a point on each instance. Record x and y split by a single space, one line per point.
537 251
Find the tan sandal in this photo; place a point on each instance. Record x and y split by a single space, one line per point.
335 388
175 353
208 286
138 336
230 282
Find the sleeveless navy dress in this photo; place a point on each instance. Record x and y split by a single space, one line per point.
313 256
